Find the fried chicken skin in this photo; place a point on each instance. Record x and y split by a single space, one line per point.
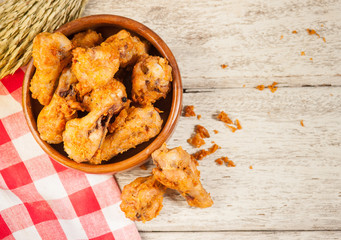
84 136
63 107
142 199
176 169
51 53
87 39
94 67
130 48
151 80
139 125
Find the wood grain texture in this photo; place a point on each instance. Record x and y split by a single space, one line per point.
245 35
240 235
295 183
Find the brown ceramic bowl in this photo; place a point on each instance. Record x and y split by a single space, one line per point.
108 25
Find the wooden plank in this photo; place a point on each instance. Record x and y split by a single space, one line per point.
295 183
239 235
245 35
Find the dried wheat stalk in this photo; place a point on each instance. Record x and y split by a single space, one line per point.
22 20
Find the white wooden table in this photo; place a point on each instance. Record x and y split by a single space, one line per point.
294 188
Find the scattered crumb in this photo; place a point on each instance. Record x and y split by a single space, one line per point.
224 118
294 32
212 141
260 87
324 39
196 141
251 167
273 87
311 59
243 85
158 110
143 167
223 66
215 131
237 123
228 162
189 111
322 25
302 124
302 53
281 37
312 32
219 161
198 117
203 153
202 131
331 94
233 129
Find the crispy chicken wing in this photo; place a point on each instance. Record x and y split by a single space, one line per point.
63 106
130 48
94 67
177 170
139 125
83 136
142 199
87 39
151 80
51 53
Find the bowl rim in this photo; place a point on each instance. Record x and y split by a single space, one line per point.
176 105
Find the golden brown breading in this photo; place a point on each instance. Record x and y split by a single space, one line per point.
140 125
53 117
51 53
151 80
87 39
94 67
142 199
176 169
130 48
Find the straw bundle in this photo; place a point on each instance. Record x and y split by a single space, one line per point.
22 20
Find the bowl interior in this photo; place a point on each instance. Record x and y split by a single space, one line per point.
170 107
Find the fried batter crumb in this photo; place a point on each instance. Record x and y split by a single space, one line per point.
251 167
189 111
228 162
202 131
324 39
213 142
196 141
311 59
237 123
215 131
232 128
273 87
223 66
143 166
224 118
294 32
203 153
302 53
302 124
243 85
260 87
281 37
198 117
219 161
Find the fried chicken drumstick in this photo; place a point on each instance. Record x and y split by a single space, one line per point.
51 53
176 169
62 108
142 199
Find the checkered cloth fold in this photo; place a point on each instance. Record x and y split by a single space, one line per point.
41 199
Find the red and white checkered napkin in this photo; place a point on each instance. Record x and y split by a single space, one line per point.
41 199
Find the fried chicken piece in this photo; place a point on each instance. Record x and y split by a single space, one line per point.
130 48
142 199
176 169
63 107
139 125
84 136
94 67
87 39
51 53
113 92
151 80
